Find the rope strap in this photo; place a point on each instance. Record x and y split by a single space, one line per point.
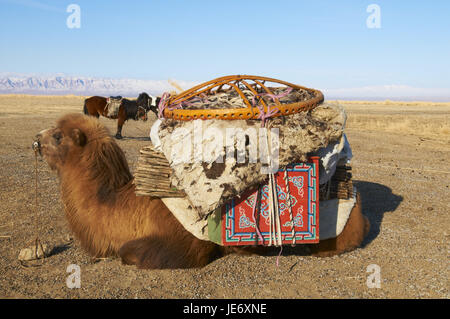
255 208
286 180
163 104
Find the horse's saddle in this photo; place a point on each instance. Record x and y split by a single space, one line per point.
112 105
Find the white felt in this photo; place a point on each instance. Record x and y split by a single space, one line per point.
333 216
154 137
332 155
187 217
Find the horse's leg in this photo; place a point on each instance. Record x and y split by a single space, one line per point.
119 129
120 121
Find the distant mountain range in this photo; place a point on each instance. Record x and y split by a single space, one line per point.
11 83
390 92
59 85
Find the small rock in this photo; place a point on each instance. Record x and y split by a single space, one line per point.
34 252
68 238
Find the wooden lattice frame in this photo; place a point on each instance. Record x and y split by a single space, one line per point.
250 112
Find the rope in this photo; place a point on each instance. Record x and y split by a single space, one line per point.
270 197
274 208
286 180
37 243
263 116
270 222
163 104
279 254
277 96
261 238
271 213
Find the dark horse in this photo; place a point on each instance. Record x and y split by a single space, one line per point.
129 109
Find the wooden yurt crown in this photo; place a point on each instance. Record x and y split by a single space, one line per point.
174 107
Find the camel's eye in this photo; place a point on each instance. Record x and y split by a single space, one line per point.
57 136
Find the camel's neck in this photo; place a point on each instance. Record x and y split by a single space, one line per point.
94 198
103 178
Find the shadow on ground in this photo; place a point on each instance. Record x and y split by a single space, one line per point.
376 200
60 248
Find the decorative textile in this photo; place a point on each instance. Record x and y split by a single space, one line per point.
238 226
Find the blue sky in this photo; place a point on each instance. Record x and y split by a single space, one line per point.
322 44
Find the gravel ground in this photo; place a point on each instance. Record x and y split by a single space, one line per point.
403 180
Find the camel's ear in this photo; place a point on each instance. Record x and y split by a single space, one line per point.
78 137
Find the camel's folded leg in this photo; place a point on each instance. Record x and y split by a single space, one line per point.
352 235
153 252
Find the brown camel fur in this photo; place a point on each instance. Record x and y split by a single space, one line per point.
109 219
352 235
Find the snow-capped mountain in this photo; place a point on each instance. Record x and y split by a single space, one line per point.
62 84
59 84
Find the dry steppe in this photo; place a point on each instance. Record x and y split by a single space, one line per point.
400 166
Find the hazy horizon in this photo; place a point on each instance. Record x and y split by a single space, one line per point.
63 84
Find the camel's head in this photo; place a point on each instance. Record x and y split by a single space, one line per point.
68 139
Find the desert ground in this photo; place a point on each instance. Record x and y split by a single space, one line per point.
400 166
